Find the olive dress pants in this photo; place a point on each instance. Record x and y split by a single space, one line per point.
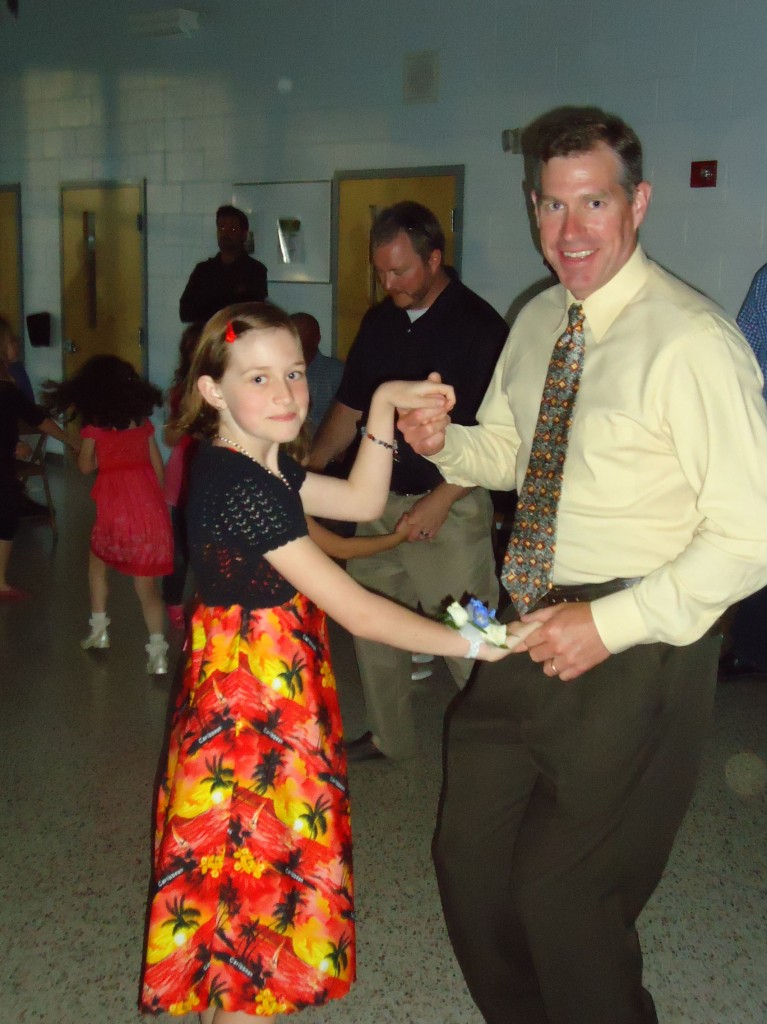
558 813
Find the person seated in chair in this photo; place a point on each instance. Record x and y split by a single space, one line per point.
15 406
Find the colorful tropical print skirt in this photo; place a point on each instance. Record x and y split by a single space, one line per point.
251 906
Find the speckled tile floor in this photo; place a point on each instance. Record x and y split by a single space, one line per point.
80 735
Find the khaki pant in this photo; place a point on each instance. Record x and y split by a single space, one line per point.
420 575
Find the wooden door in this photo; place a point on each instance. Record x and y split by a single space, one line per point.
10 257
103 274
358 199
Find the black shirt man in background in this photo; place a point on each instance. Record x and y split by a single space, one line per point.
231 276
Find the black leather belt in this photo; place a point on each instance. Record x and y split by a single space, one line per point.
409 494
579 593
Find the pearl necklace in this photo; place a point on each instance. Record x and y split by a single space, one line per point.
238 447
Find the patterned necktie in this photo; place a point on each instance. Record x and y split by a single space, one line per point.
528 562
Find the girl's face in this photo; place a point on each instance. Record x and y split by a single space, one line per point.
263 394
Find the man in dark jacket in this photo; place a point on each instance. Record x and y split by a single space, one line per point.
231 276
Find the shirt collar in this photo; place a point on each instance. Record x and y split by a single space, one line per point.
444 300
604 306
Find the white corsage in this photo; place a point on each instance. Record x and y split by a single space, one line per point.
475 623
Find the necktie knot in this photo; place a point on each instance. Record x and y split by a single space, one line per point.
575 315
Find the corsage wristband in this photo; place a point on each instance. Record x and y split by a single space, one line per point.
477 624
475 643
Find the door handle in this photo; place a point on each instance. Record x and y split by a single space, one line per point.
69 347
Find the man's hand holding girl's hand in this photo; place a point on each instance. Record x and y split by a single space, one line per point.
429 394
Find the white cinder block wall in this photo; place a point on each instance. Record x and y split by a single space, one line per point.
81 100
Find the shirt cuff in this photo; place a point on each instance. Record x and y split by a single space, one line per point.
619 621
445 461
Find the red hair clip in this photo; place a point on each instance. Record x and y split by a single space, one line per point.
229 334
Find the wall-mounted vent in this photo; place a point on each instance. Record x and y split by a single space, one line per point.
420 77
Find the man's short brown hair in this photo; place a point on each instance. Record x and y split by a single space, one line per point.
417 221
569 130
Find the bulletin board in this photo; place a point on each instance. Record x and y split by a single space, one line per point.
290 225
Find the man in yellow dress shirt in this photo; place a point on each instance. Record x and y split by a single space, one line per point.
571 766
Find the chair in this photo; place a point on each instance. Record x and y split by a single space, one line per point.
36 467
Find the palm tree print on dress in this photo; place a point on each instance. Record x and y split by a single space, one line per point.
248 931
217 991
338 958
266 770
269 727
290 866
291 676
285 911
179 864
220 778
315 817
202 961
183 919
253 844
220 722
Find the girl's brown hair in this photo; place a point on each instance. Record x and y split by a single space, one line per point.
211 358
106 392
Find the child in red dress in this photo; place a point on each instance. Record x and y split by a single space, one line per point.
132 530
251 909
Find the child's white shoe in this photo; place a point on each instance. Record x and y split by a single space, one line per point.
157 649
421 666
99 635
157 665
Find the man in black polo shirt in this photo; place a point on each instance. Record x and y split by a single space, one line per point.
429 322
231 276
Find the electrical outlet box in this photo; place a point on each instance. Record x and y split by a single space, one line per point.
703 174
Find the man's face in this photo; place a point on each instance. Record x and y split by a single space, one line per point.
587 223
231 237
410 281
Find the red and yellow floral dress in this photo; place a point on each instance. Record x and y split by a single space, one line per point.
251 906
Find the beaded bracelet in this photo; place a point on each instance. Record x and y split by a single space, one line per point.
389 445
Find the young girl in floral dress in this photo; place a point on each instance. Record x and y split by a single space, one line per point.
132 530
251 910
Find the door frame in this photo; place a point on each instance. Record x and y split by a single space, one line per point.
141 185
457 171
15 188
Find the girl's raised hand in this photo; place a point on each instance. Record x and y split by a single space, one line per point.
419 394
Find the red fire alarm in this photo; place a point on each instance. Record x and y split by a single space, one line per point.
703 174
